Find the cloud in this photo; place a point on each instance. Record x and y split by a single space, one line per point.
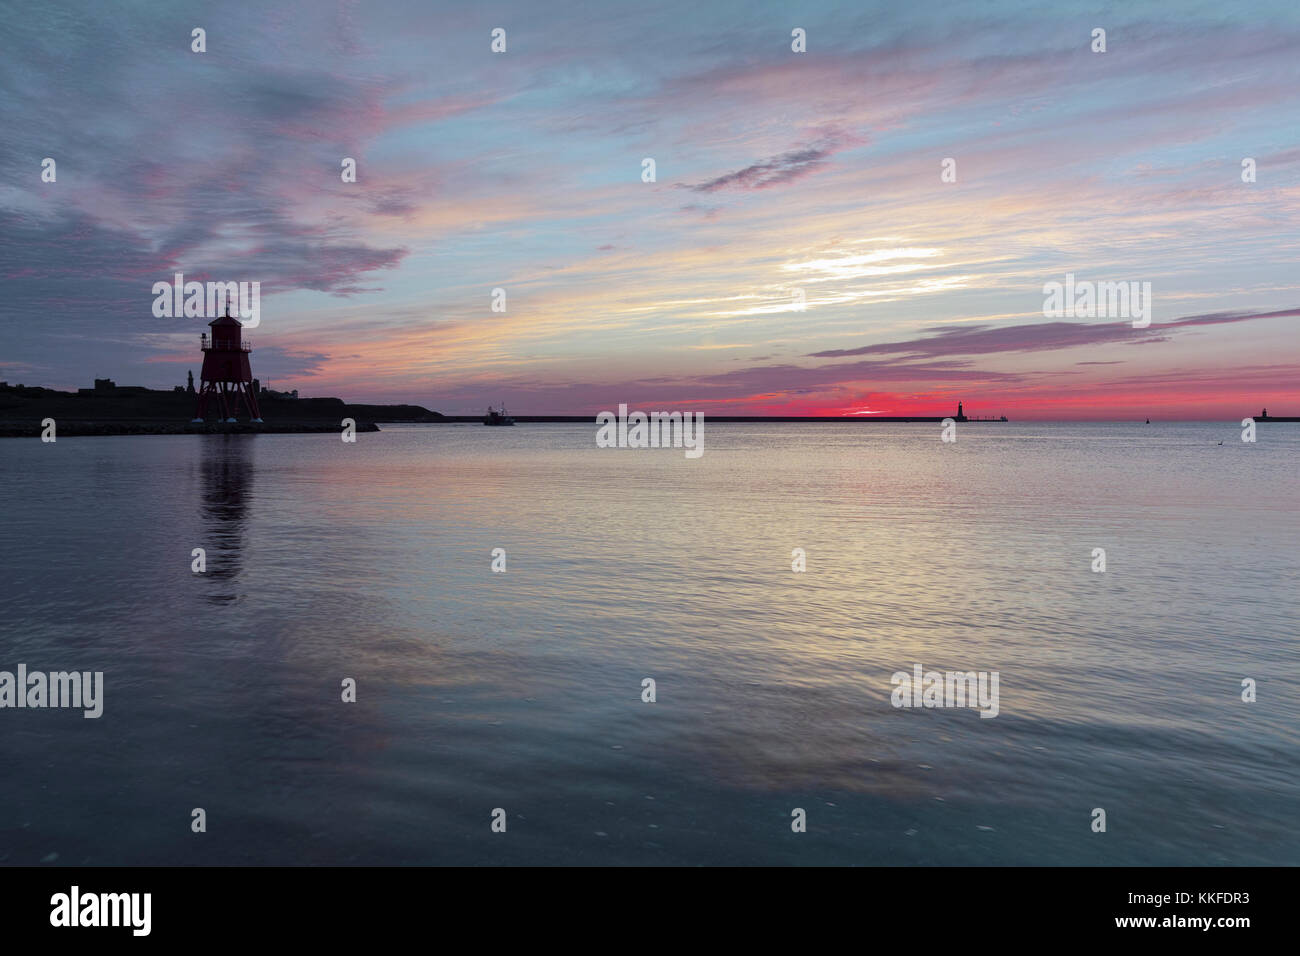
1042 337
785 168
780 169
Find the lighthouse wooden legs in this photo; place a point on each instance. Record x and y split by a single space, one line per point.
250 400
206 391
226 396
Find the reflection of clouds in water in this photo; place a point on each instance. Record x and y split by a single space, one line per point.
373 562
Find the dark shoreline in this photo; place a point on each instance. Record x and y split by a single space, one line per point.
71 429
129 410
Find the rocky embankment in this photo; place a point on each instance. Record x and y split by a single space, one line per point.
141 411
73 429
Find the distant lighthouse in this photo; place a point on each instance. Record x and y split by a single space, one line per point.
227 375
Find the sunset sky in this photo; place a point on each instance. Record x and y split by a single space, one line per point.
776 171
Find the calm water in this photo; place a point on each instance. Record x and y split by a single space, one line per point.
522 690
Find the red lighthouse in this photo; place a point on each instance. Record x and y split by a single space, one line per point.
226 374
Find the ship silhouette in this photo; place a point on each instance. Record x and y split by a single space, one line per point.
493 417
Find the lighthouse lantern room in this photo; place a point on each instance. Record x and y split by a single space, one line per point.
227 376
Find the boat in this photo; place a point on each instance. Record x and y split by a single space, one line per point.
493 417
1264 416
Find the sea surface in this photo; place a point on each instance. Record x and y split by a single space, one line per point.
522 690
